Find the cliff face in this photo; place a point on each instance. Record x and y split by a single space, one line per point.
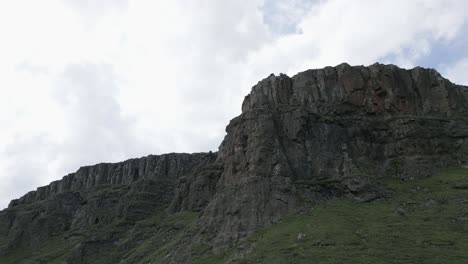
96 196
151 168
320 134
332 132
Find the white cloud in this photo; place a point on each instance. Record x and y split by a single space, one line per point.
284 16
458 72
84 82
363 32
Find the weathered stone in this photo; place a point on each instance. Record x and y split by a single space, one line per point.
332 132
462 186
97 196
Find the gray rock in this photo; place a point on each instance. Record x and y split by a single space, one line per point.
461 185
96 196
331 132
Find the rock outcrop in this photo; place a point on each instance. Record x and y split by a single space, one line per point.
300 140
96 196
332 132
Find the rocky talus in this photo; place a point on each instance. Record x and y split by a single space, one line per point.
331 132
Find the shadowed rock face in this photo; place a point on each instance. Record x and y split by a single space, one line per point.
96 196
322 133
332 132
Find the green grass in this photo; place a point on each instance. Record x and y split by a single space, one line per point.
423 221
53 252
151 240
148 241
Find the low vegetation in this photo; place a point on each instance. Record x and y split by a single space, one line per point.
421 221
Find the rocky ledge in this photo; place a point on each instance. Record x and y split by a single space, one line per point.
322 133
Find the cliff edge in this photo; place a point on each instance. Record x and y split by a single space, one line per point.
301 140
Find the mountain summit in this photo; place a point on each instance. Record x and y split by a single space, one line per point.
336 132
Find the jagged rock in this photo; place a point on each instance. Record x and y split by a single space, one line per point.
193 192
332 132
96 196
462 185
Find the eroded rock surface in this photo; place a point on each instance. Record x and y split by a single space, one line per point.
300 140
95 196
332 132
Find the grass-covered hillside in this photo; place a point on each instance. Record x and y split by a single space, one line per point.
421 221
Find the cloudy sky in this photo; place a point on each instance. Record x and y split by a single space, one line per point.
86 81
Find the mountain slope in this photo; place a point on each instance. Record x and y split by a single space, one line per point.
301 142
422 221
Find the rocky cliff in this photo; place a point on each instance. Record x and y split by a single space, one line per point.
331 132
96 196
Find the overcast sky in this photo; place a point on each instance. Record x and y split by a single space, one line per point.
86 81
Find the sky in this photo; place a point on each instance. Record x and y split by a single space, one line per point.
84 82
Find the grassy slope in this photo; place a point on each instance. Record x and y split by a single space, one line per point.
149 241
53 252
422 221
